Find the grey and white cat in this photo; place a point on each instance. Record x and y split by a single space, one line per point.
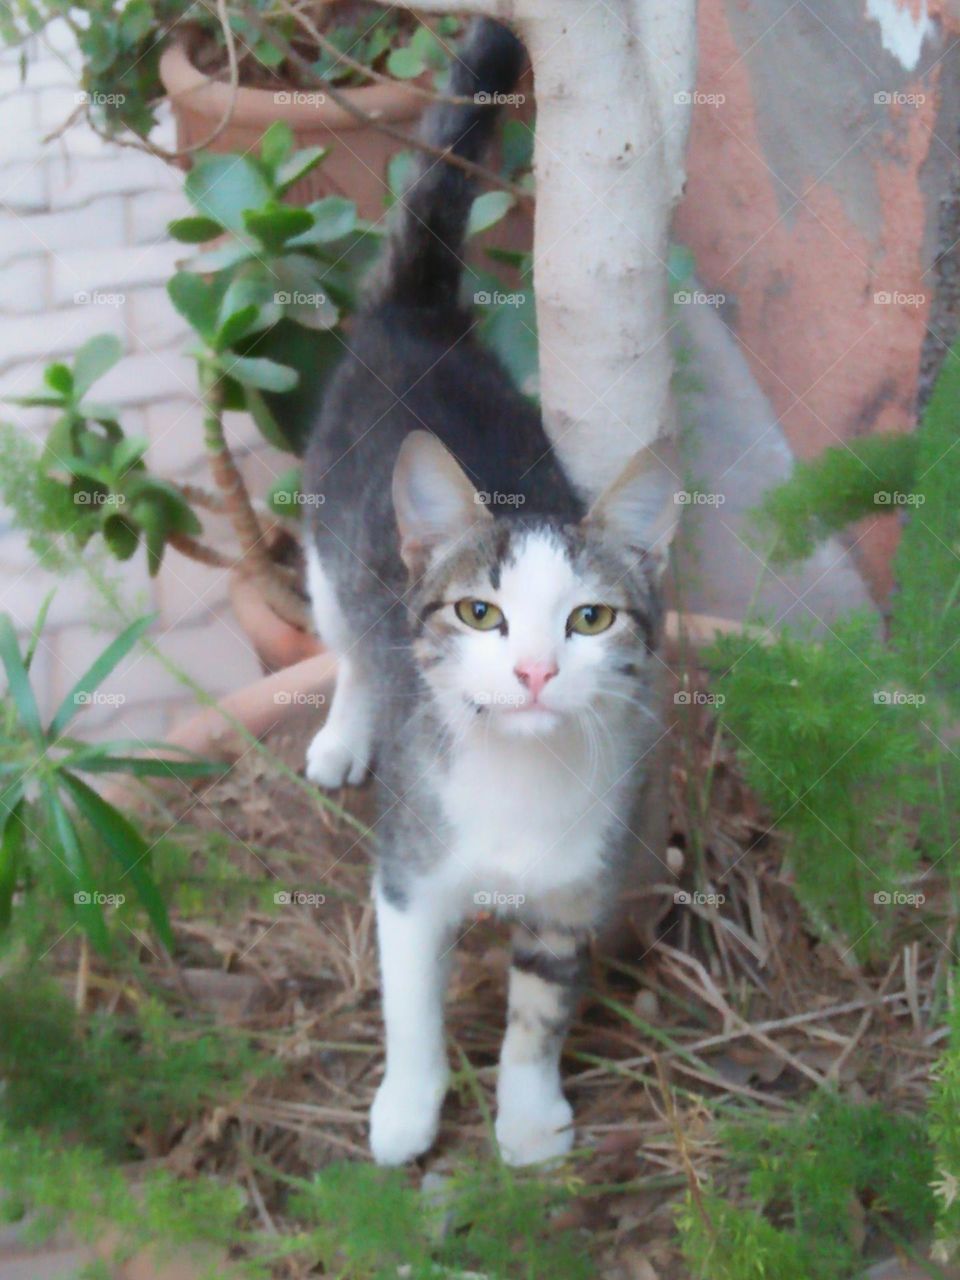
495 657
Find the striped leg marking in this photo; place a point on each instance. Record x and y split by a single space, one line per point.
534 1119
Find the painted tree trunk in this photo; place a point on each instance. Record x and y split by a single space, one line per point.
614 82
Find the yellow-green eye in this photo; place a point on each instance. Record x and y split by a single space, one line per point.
591 619
479 614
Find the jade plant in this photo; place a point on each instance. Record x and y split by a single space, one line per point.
120 43
266 288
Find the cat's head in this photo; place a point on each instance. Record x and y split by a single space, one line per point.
526 621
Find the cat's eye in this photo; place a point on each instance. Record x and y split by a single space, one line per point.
479 614
591 619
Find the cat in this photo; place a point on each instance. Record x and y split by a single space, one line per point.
496 642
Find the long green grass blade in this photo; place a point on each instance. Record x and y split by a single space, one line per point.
18 678
128 847
144 766
38 628
12 842
97 672
87 910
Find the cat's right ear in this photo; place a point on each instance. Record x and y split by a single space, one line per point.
434 501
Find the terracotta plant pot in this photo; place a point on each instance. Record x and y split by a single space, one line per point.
357 164
279 644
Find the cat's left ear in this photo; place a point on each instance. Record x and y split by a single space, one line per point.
435 502
639 509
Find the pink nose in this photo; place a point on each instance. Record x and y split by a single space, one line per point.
534 675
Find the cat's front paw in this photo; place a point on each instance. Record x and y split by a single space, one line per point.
333 760
531 1130
405 1117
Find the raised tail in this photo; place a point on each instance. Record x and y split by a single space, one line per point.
423 263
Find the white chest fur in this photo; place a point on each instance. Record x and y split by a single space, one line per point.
528 817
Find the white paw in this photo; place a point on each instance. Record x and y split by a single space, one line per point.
530 1133
333 761
404 1118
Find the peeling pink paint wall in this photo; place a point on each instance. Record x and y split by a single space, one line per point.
807 202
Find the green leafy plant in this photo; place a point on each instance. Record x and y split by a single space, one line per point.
103 471
944 1130
842 734
158 1212
816 1182
266 293
55 829
123 1083
834 759
844 484
121 43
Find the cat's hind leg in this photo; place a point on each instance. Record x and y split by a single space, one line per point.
340 752
534 1119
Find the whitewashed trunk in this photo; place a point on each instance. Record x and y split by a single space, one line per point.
613 81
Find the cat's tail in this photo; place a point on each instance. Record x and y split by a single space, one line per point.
423 262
